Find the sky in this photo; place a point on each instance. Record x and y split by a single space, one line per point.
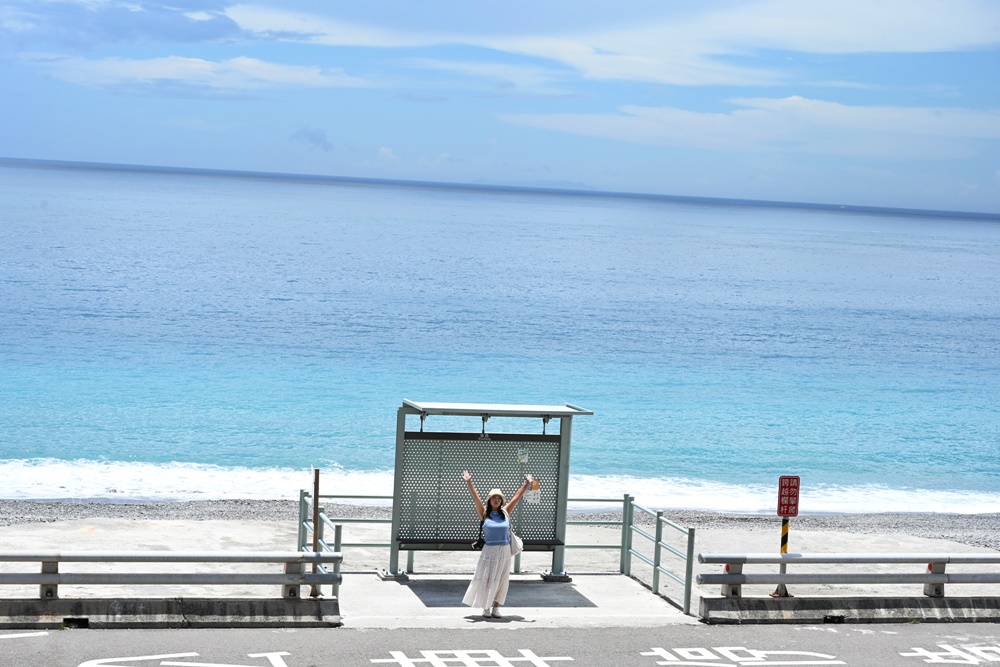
866 102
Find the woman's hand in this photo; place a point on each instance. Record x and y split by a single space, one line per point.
528 479
466 476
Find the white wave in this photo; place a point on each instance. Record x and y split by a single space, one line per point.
689 494
116 481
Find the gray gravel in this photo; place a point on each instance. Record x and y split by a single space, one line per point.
981 530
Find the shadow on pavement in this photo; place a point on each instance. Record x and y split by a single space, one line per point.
449 593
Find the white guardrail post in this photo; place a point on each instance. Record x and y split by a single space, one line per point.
629 518
49 591
935 590
292 591
303 517
733 590
338 533
657 551
623 565
689 571
318 543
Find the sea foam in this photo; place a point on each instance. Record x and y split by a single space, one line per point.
82 480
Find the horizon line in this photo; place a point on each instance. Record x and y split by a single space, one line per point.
483 187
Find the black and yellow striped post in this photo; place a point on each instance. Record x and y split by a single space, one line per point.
788 506
782 591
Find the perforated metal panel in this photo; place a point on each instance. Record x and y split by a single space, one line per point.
434 505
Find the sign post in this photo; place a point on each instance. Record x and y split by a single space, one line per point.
788 506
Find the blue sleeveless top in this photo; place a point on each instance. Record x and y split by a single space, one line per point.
496 529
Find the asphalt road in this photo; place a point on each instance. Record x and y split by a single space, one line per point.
501 645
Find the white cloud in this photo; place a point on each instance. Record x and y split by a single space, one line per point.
504 77
856 26
313 136
794 123
240 73
86 25
318 29
194 123
939 122
638 57
686 47
199 16
697 50
386 154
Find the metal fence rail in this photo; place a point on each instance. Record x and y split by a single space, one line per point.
305 525
50 578
933 578
305 530
305 518
626 525
687 556
574 522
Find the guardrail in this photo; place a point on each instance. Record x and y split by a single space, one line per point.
50 578
687 556
933 579
305 525
305 529
624 502
626 524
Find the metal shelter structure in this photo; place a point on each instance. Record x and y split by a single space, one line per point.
431 508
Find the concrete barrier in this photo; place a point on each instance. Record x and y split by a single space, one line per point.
108 613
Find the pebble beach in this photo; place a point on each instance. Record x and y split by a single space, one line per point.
978 530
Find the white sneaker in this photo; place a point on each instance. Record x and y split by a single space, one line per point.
496 612
487 612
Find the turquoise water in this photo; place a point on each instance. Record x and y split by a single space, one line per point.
174 336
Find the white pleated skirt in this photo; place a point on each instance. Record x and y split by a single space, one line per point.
489 583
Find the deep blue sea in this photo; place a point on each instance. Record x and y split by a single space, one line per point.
176 336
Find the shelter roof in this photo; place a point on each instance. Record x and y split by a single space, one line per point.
496 409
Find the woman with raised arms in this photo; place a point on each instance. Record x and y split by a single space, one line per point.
488 588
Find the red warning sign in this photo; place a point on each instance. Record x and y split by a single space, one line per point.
788 495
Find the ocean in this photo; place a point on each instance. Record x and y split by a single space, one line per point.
182 335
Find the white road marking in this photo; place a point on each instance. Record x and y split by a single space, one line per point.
120 662
474 658
274 658
24 634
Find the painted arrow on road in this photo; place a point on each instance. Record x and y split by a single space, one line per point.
275 659
121 662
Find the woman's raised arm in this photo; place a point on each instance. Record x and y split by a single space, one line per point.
480 509
509 507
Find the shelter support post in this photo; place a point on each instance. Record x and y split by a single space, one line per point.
558 572
397 492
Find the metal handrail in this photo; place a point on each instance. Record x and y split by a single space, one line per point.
850 558
305 524
305 519
933 579
627 524
855 578
59 556
658 546
305 527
